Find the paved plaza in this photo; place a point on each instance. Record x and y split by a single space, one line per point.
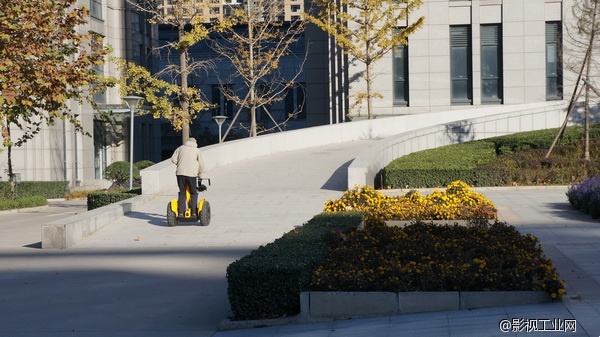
139 277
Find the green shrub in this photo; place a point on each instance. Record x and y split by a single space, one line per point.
33 201
103 198
438 167
267 283
430 257
516 159
540 139
46 189
118 173
142 164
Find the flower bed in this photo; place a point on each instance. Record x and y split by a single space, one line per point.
485 255
334 252
457 202
429 257
585 196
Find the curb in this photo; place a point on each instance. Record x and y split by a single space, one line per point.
227 324
22 210
317 307
352 305
28 209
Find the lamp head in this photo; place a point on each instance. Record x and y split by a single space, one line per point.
220 119
132 101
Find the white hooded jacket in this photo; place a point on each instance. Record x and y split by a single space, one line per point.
188 160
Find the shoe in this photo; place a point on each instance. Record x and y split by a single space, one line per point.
181 215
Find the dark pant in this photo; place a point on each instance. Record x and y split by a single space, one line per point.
190 182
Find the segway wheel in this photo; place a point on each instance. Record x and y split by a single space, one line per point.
171 216
204 216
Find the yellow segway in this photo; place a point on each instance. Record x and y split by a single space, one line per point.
203 215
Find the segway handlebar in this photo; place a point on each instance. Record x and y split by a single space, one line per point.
201 187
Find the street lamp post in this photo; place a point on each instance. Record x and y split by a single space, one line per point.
132 103
220 120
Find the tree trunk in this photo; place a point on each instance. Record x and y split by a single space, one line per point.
369 65
586 119
252 87
587 89
369 96
11 176
184 98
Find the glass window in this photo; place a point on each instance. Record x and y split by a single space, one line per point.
461 65
400 68
554 83
97 43
221 105
491 64
294 101
96 9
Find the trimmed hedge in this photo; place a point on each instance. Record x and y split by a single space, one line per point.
499 161
103 198
540 139
33 201
267 283
46 189
440 166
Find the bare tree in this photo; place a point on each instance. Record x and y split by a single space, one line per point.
365 30
582 40
188 18
254 39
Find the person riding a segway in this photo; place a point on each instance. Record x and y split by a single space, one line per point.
188 160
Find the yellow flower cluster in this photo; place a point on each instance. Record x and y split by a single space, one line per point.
457 202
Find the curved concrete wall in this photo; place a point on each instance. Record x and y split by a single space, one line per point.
393 131
368 164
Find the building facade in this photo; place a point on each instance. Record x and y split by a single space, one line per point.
58 152
468 54
221 77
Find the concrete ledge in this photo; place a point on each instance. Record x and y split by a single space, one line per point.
327 306
484 299
345 305
428 301
66 232
342 305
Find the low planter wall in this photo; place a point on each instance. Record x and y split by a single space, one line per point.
347 305
63 233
